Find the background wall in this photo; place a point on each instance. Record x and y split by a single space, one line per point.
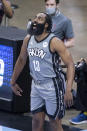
76 10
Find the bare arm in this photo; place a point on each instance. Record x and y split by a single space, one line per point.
69 43
7 8
21 61
58 46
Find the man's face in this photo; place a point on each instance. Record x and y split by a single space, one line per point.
39 19
38 24
51 7
50 4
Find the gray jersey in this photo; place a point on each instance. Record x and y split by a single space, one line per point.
42 62
62 26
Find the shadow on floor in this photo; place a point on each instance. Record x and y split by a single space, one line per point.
19 122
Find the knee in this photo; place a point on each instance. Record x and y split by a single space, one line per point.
56 124
37 123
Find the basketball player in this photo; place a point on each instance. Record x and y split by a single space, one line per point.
48 94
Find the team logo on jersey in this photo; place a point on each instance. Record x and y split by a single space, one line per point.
36 52
45 44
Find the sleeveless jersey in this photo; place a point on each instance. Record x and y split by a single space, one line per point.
43 63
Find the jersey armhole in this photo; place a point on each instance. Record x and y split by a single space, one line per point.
50 43
28 41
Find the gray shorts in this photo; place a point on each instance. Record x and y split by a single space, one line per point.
48 97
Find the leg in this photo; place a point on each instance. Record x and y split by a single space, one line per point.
56 125
55 105
37 108
38 121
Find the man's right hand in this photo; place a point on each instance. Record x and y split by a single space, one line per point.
16 89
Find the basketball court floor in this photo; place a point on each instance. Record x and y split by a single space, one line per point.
19 122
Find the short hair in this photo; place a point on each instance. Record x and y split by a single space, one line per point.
57 1
49 22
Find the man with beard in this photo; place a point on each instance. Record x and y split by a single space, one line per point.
48 85
5 8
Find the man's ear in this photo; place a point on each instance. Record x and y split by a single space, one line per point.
46 25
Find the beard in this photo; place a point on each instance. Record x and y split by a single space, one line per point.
36 29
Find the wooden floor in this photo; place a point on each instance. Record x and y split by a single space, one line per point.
20 122
72 113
